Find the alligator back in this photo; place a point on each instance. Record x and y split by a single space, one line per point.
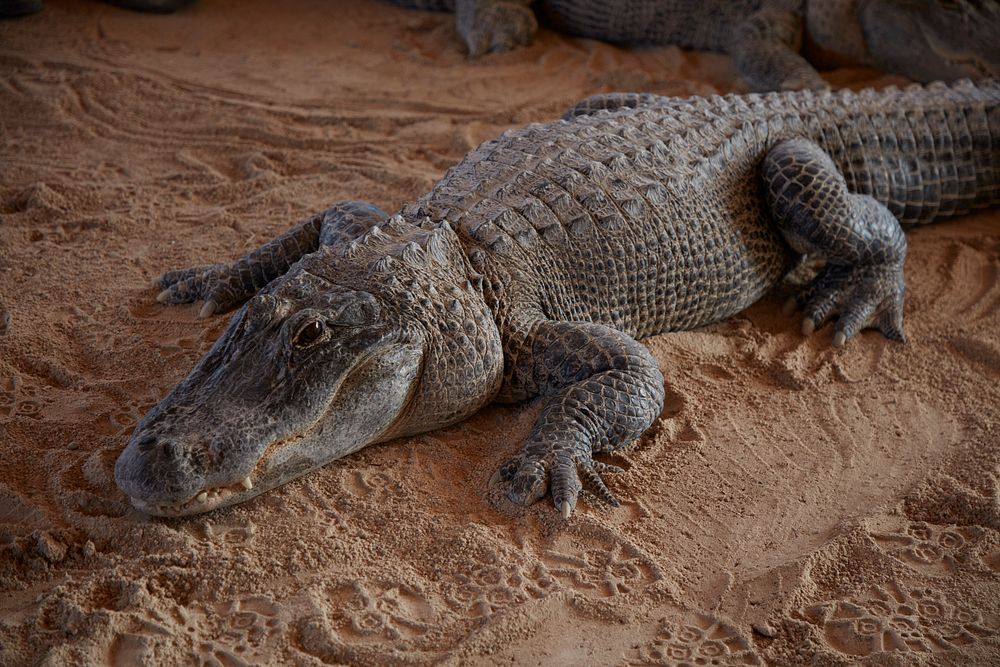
650 219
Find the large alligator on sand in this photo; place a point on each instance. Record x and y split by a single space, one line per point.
926 40
532 268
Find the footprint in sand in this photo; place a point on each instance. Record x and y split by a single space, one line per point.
372 485
242 630
126 416
934 549
696 639
369 622
88 487
252 620
483 589
608 568
28 403
896 618
377 611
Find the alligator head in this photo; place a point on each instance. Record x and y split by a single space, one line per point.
345 350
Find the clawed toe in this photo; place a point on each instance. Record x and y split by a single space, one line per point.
528 479
597 486
217 285
209 308
865 297
528 483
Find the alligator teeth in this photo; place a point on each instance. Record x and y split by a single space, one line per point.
203 496
247 484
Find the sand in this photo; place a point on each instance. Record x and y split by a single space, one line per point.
793 504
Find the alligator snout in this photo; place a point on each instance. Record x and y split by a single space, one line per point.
157 469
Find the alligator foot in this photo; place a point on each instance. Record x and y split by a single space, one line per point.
859 238
218 285
765 48
567 470
602 390
224 286
869 296
494 25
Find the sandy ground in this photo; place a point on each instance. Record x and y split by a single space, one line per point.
793 504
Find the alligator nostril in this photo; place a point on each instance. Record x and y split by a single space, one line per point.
146 443
171 449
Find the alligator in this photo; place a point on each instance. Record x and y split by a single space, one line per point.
532 268
926 41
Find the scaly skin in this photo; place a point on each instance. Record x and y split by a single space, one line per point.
926 40
534 265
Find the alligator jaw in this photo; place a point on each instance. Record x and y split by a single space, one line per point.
260 479
203 501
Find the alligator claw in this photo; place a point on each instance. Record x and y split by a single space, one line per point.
208 309
527 480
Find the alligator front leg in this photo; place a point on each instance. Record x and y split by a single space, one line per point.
862 243
603 390
765 49
224 286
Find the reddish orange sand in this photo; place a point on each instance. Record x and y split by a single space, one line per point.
793 504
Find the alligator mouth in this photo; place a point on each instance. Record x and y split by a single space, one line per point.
212 498
203 501
269 472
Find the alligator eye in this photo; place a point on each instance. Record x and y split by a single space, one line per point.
308 334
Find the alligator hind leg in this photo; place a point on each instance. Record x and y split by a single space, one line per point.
603 390
224 286
862 243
